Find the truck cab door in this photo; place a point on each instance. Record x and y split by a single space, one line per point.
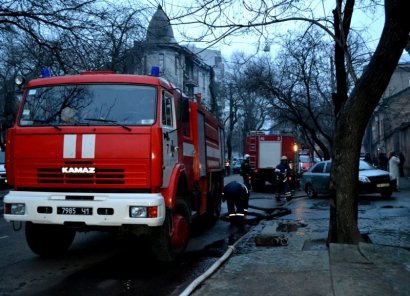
169 137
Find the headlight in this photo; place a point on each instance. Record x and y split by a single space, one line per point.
364 179
138 212
15 209
143 212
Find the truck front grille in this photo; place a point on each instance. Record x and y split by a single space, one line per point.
101 176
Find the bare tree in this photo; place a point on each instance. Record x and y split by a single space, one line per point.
353 110
231 119
65 36
120 27
41 19
253 110
299 87
353 107
244 110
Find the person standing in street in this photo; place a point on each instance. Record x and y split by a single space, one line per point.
282 176
394 170
237 198
227 168
246 171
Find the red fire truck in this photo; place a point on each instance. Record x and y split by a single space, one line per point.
265 151
112 152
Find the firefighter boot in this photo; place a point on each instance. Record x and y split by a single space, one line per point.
232 218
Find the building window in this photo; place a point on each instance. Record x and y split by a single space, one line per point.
161 62
203 82
176 65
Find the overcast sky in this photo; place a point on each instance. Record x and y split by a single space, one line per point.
368 20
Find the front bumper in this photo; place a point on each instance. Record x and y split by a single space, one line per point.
118 203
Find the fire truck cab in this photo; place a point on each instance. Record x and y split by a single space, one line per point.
112 152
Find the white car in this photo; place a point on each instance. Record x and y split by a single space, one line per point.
371 180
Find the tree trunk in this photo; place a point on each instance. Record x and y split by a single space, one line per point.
232 121
354 116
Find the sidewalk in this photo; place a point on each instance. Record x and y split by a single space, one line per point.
305 266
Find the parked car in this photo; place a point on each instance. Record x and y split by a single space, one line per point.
371 180
2 169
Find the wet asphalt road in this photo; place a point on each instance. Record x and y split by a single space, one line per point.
101 264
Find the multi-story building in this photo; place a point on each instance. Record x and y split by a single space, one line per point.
389 127
161 53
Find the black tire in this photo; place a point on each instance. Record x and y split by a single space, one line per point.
311 193
49 240
170 240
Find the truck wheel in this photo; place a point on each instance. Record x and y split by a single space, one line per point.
48 240
170 240
311 193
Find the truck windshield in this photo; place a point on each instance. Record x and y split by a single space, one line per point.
106 104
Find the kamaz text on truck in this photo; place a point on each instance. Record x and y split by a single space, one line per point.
112 152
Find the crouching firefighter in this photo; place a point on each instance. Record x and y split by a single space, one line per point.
282 175
237 198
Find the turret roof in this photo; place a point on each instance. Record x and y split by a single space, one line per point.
159 28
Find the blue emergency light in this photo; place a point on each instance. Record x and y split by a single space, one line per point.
46 72
155 71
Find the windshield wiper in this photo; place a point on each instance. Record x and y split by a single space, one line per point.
109 121
47 122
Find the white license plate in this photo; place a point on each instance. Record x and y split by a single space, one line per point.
74 211
383 185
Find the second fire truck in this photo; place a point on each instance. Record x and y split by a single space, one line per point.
265 151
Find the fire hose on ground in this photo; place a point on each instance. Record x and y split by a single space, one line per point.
270 214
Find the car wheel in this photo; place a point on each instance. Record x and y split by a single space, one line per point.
311 193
